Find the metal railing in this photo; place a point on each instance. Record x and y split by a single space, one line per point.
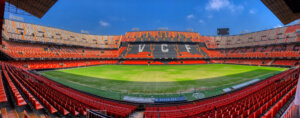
293 111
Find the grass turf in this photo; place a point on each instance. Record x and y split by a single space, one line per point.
116 81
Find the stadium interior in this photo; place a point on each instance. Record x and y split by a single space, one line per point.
28 48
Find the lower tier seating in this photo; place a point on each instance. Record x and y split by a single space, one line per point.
3 97
43 93
16 94
292 111
31 65
252 102
265 62
264 99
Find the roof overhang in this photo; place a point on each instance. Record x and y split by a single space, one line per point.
286 11
37 8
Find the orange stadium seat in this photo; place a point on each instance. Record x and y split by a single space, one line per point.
252 102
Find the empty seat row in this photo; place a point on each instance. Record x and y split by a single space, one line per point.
36 104
277 106
291 50
253 101
3 97
158 36
16 94
273 36
163 50
41 34
56 97
266 62
27 50
59 64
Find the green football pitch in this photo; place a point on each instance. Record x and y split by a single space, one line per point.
117 81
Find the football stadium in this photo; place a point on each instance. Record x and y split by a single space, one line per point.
48 71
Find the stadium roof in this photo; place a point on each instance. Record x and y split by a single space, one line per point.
286 11
37 8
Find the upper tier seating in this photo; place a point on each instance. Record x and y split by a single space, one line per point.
36 33
26 50
280 35
279 46
291 50
160 36
14 30
273 43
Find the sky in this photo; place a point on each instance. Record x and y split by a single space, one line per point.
116 17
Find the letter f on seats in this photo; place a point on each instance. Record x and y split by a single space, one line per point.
188 48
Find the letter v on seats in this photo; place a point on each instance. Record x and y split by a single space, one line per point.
141 47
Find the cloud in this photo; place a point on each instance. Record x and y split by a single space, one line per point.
191 16
103 23
277 26
252 11
216 5
201 21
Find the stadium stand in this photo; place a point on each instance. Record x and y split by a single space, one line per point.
14 30
258 52
52 64
29 47
264 62
21 51
57 97
160 36
3 97
47 43
256 100
268 37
